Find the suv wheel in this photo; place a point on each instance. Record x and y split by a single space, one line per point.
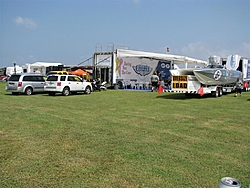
28 91
65 91
88 90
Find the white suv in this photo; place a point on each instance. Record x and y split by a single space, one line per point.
66 84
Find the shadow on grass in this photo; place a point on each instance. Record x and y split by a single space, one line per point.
182 96
23 94
45 94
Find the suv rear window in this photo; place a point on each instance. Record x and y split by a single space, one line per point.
14 78
33 78
52 78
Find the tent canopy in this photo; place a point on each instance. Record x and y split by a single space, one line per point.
158 56
78 72
45 64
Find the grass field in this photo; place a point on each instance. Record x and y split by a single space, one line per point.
123 139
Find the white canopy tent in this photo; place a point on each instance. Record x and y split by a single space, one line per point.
45 64
39 67
176 59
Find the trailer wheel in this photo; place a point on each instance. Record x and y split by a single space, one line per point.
216 93
220 91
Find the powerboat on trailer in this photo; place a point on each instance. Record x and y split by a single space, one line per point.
213 76
214 73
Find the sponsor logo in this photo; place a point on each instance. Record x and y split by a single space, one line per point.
217 75
142 70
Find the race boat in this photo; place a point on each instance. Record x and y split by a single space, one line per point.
213 76
215 73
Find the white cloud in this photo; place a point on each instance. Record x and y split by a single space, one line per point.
202 51
137 1
27 22
245 50
32 58
196 50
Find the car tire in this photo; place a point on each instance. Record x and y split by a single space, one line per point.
28 91
66 91
87 90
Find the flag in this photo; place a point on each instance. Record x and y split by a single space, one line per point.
201 91
160 89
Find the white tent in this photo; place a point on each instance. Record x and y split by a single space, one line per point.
45 64
39 67
168 57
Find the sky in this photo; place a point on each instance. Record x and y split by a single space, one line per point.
71 31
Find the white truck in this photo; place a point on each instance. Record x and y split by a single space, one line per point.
133 69
218 78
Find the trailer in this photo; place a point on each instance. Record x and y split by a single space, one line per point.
219 78
129 69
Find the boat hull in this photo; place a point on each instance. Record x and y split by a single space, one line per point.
215 76
178 72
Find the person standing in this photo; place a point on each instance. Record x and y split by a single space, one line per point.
239 87
154 81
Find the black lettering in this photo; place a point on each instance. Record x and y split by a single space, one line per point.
179 78
180 85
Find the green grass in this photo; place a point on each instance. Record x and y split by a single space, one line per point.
123 139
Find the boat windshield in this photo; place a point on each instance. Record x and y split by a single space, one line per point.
214 62
215 66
